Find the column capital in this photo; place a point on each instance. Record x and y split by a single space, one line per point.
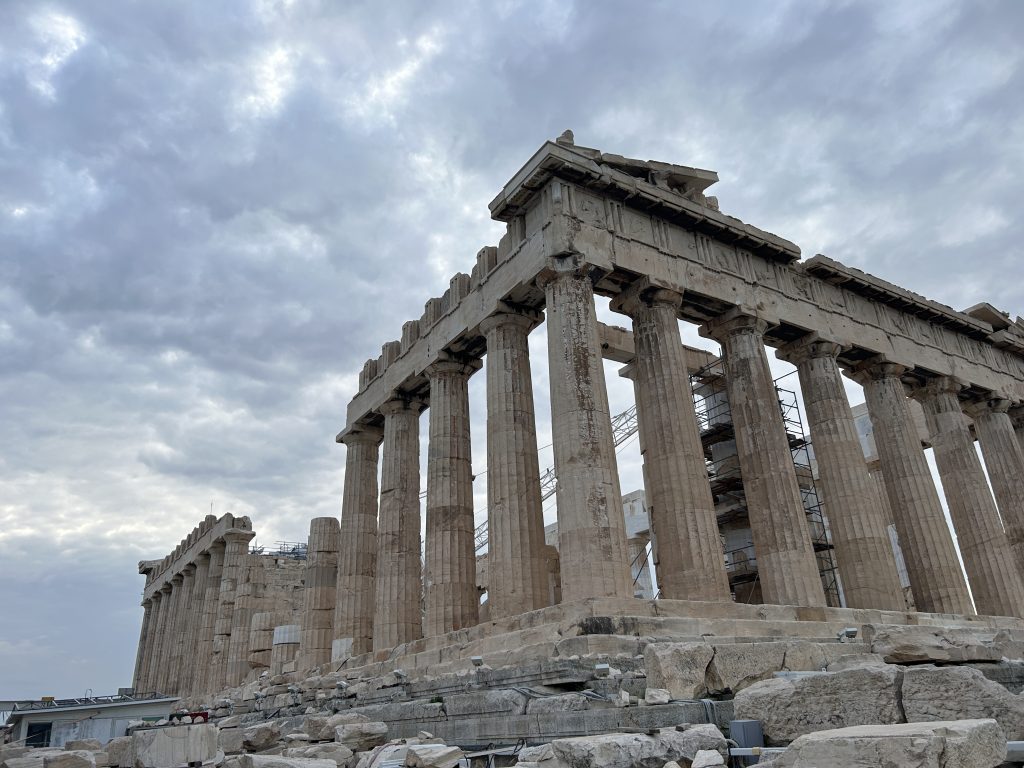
177 579
875 369
734 322
570 265
236 535
994 402
809 347
643 293
166 588
402 403
938 385
1017 415
189 569
452 365
363 434
520 317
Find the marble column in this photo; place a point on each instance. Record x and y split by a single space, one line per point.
1004 461
1017 419
184 611
786 565
932 565
399 571
236 547
864 554
162 600
247 602
450 567
208 618
197 603
591 529
515 519
320 593
168 683
141 655
357 553
996 583
690 562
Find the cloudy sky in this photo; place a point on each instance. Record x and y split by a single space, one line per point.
212 213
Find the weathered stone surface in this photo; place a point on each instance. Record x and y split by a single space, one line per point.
433 756
960 744
680 668
173 747
902 645
89 745
360 737
278 761
321 727
79 758
568 702
960 693
790 708
342 756
735 667
231 741
22 762
485 702
631 750
260 737
707 758
119 752
657 696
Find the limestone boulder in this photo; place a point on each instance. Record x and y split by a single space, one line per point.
342 756
119 752
321 727
634 750
260 737
279 761
483 703
959 744
737 666
960 693
655 696
566 702
89 745
433 756
679 668
79 758
707 758
231 741
174 746
915 644
788 709
360 737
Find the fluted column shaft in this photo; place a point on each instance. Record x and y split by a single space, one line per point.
1004 460
932 565
690 563
167 671
195 620
357 553
1017 419
864 555
996 583
208 619
236 546
142 653
247 602
591 528
184 611
399 574
320 594
515 520
450 573
786 564
162 600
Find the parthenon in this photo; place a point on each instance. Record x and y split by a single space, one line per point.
644 235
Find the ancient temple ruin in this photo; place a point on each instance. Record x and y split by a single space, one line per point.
644 234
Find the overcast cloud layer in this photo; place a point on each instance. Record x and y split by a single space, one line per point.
212 213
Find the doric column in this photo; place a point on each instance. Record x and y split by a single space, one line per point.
247 602
321 583
995 581
1004 461
141 654
786 565
236 546
208 618
591 530
925 540
1017 419
516 558
863 549
197 602
399 572
690 563
357 553
449 581
161 599
167 672
184 611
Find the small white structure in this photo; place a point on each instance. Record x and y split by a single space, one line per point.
51 722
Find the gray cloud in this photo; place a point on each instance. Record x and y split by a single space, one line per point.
211 214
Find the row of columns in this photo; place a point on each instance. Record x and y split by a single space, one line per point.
379 581
195 628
